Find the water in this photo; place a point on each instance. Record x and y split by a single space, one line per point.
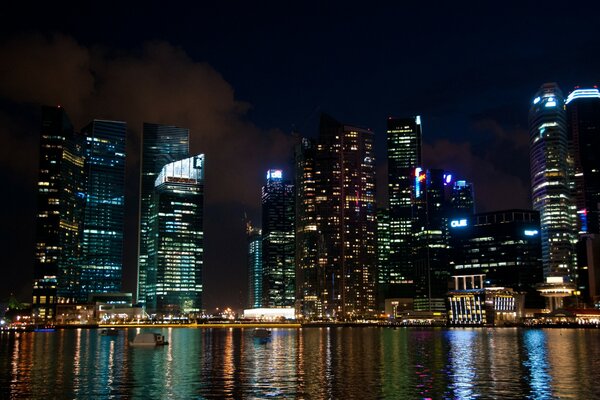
311 363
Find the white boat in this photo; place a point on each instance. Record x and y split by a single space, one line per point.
261 333
149 339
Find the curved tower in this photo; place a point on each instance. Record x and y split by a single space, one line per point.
550 188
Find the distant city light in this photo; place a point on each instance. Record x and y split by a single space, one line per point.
531 232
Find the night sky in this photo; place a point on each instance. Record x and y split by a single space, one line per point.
244 77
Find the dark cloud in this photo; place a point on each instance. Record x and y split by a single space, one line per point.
157 83
495 189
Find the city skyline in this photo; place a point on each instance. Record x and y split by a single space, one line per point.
463 116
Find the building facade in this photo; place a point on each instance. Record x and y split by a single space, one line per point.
502 246
309 274
175 256
102 245
278 245
255 273
430 239
404 155
346 219
161 144
59 220
583 121
551 167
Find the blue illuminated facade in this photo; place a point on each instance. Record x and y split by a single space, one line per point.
102 245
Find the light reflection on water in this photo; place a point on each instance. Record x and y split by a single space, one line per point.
314 363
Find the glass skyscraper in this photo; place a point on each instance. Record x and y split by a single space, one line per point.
430 239
278 242
161 144
404 155
344 222
102 245
309 274
551 167
60 203
175 254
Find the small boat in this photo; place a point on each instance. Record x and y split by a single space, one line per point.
261 333
109 332
46 328
149 339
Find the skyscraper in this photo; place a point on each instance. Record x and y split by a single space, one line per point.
254 266
102 245
175 255
430 239
309 274
344 221
59 221
583 121
404 155
161 144
550 187
383 254
278 246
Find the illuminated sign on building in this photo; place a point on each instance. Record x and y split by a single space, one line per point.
274 174
531 232
458 223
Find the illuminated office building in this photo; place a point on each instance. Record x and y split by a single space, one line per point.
161 144
278 246
102 244
175 255
254 266
383 255
583 121
60 202
430 239
404 155
550 186
346 219
502 246
309 274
